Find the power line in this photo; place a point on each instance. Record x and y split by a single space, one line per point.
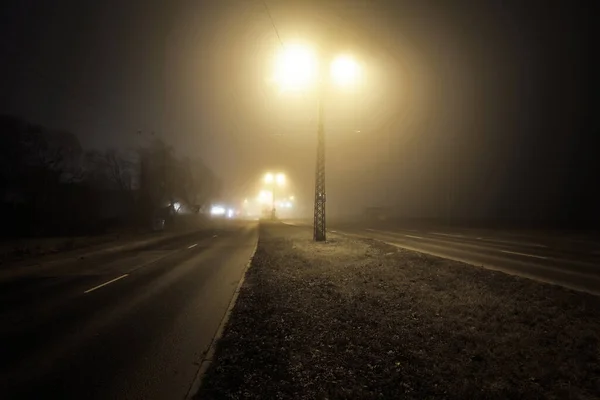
274 25
272 21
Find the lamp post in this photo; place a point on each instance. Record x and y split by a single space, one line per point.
295 68
274 180
343 72
319 223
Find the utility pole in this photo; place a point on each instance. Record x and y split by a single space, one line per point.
273 211
320 198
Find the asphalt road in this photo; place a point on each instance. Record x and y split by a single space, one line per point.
569 259
130 325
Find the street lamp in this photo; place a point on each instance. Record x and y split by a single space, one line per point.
280 179
268 178
296 68
344 70
274 180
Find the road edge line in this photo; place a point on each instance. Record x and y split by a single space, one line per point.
487 266
208 357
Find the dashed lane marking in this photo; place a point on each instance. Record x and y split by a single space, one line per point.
105 283
524 254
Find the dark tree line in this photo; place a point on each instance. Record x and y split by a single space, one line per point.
50 185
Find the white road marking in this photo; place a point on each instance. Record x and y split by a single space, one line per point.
523 254
465 237
105 283
515 243
294 223
491 239
332 231
447 234
214 236
194 245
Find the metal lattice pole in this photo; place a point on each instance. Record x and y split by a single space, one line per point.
319 222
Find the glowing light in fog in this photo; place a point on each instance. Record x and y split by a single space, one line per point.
265 197
344 70
295 67
217 210
280 179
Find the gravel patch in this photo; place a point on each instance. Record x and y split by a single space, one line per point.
359 319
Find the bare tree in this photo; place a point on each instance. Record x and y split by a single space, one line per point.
119 168
166 179
39 167
111 168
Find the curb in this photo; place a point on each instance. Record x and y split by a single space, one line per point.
208 358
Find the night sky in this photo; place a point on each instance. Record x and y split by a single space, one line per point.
470 109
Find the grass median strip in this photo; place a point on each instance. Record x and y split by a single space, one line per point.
361 319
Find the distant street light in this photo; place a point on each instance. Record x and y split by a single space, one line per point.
268 178
265 197
274 180
296 68
280 179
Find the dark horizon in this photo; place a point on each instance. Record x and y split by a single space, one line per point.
480 111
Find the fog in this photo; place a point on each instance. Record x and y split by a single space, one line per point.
465 109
